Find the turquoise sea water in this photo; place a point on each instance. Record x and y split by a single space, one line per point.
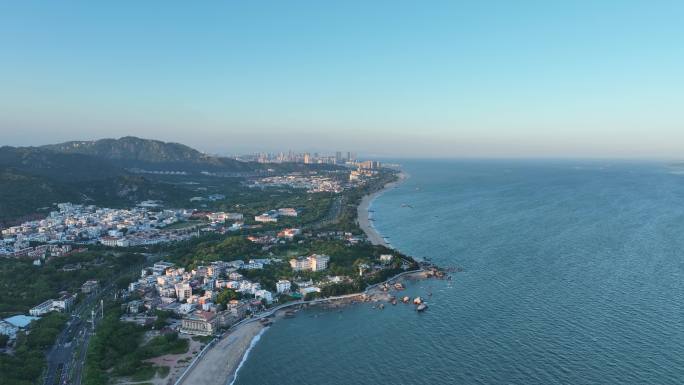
574 274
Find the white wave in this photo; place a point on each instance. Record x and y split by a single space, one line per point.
252 344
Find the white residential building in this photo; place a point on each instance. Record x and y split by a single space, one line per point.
314 262
300 264
283 286
264 294
41 309
287 212
183 291
266 218
253 266
311 289
319 262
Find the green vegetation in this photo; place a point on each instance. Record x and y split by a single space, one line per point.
98 172
213 248
25 366
227 295
23 285
348 216
118 350
202 339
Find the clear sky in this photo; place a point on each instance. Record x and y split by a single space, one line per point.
400 78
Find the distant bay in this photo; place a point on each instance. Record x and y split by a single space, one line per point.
574 274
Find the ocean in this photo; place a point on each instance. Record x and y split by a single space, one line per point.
573 273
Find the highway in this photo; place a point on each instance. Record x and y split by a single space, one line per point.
332 216
66 358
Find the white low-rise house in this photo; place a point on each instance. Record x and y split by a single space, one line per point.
236 264
123 242
159 268
10 326
266 218
64 303
302 284
264 294
90 286
235 276
311 289
236 226
253 266
386 258
287 212
249 287
186 308
8 329
109 241
283 286
133 286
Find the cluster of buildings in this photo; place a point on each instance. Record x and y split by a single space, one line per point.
301 157
360 175
271 216
19 247
221 217
314 262
210 198
88 224
193 294
313 183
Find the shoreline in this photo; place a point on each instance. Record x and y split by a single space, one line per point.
220 362
363 213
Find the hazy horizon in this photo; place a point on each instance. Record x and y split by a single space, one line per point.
394 79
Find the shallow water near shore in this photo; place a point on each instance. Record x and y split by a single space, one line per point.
574 274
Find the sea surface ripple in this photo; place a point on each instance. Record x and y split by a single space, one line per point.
573 275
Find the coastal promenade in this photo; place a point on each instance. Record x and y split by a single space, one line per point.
218 362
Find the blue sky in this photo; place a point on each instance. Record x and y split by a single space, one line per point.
399 78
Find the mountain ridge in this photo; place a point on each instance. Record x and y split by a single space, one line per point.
133 152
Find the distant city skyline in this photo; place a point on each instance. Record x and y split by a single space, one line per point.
394 79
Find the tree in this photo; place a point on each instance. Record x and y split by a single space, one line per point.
226 295
3 340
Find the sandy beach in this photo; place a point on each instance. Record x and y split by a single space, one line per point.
363 215
219 364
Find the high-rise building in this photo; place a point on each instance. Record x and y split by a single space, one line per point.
183 291
318 262
338 157
307 158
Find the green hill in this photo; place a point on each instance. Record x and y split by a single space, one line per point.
106 173
131 152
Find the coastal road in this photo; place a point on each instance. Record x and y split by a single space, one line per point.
191 379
